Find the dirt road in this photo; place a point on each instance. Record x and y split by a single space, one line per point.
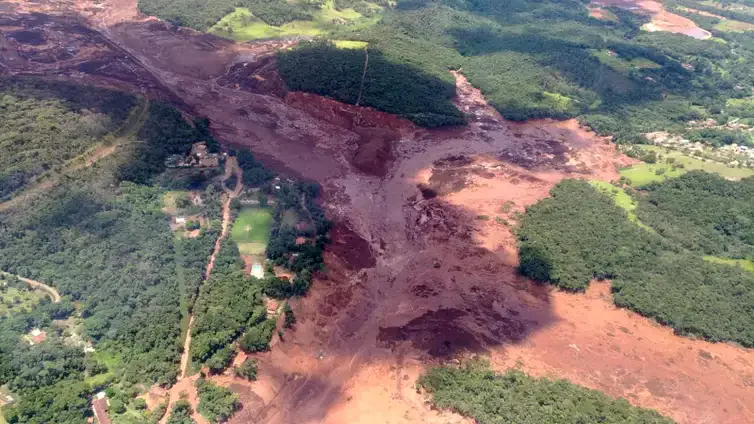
186 384
421 268
51 291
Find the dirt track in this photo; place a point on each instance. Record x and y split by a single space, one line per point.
416 275
661 18
51 291
186 384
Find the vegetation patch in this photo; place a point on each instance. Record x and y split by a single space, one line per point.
645 173
475 391
102 239
389 84
743 263
579 235
252 225
45 125
216 403
243 25
622 200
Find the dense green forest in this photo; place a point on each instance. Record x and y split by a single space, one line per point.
99 236
534 59
579 234
530 58
229 303
44 125
477 392
202 14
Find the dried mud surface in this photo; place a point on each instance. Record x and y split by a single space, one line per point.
422 265
662 20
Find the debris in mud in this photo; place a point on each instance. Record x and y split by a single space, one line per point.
355 252
259 76
440 333
537 153
34 38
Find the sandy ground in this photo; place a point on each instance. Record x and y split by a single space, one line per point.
421 269
662 19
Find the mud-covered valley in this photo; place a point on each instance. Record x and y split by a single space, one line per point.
418 273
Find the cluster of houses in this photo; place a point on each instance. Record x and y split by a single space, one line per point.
199 157
732 154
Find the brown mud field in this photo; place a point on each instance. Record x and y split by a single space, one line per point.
422 265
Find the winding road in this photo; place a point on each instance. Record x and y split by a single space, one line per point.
51 291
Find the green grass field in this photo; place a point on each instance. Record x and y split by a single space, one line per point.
15 300
623 65
730 25
251 230
646 173
743 263
350 44
242 25
111 360
622 200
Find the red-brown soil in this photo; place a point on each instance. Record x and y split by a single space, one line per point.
422 264
662 20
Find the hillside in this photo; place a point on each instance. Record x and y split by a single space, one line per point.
422 211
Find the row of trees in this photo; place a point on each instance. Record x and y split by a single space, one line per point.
476 391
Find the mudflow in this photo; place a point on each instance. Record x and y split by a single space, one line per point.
419 271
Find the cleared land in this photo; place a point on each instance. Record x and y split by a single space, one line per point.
15 300
646 173
743 263
242 25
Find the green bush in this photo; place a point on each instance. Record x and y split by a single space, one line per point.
216 403
257 338
247 370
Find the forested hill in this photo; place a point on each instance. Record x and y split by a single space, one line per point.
97 234
530 59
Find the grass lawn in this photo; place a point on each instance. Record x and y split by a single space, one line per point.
26 299
252 225
623 65
350 44
743 263
251 230
242 25
111 360
734 26
622 200
645 173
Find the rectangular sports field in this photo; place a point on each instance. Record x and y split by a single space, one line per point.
251 230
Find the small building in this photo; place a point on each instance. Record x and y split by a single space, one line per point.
36 336
99 408
181 220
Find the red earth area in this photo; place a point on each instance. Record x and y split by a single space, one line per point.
661 19
422 265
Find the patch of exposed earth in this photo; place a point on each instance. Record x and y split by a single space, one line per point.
661 18
422 265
